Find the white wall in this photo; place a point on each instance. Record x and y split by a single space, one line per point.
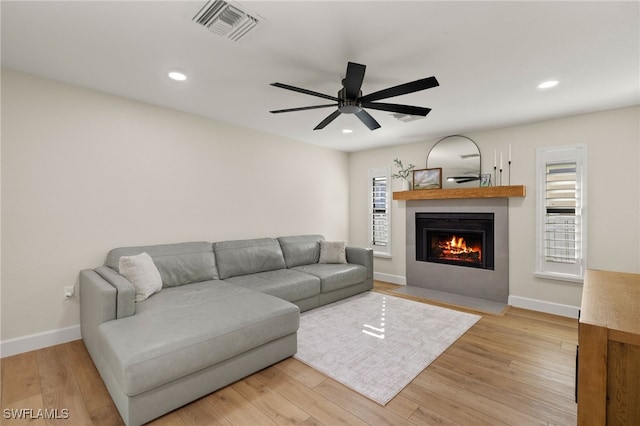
84 172
613 143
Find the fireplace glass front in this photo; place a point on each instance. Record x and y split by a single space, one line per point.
462 239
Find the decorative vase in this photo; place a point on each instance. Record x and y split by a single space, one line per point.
406 185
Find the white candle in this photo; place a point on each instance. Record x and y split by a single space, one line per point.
500 160
495 158
509 153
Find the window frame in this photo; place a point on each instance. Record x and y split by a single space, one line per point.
573 272
376 173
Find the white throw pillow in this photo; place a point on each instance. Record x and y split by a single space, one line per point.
142 273
333 252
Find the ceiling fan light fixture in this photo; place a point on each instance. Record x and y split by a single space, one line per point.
347 131
548 84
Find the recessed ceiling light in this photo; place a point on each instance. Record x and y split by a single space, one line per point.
178 76
345 131
548 84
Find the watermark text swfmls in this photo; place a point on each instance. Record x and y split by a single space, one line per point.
34 414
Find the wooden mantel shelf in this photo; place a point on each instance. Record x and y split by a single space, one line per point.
484 192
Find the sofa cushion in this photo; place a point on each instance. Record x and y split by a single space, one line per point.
334 276
333 252
184 329
283 283
243 257
178 264
300 249
140 270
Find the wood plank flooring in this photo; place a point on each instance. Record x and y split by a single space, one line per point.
513 369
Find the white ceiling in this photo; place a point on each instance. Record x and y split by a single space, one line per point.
487 56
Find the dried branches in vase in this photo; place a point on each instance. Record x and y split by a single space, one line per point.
403 173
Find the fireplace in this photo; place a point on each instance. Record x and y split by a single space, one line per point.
462 239
437 258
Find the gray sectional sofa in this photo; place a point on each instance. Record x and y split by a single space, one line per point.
226 310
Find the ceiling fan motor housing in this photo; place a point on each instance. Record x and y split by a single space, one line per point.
348 106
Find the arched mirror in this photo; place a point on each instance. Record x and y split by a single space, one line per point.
459 158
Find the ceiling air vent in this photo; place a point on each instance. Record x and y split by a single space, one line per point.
405 118
226 19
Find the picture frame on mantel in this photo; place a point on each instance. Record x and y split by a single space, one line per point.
427 178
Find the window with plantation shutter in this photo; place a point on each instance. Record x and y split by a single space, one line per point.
379 212
561 207
561 221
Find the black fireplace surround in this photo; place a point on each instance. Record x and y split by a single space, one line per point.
462 239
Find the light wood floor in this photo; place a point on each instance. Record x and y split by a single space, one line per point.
514 369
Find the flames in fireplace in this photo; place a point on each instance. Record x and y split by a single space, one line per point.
457 238
456 249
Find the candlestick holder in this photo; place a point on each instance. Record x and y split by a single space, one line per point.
495 176
509 173
500 176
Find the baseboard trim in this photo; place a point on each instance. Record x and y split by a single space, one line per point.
388 278
544 306
38 341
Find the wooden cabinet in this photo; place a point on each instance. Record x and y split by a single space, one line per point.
608 376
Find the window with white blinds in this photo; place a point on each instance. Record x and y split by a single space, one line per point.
380 211
561 247
561 221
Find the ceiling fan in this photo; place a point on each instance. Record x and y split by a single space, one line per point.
351 101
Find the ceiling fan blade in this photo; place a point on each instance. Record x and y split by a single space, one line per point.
327 120
305 91
402 89
403 109
353 79
367 119
303 108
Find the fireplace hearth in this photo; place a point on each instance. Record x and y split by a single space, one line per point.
462 239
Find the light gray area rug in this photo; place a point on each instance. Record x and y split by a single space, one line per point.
376 344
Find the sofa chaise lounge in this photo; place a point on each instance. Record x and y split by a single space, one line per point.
225 310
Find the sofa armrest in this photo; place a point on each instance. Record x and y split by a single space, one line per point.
361 256
126 293
97 305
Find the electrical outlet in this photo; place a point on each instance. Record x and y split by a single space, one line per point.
68 292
